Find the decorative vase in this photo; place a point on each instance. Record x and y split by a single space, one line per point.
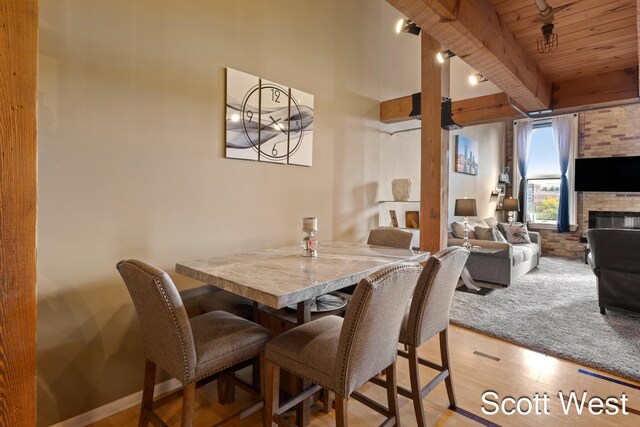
401 189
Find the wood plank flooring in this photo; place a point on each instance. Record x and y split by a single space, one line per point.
480 363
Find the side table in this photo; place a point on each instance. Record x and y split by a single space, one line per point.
466 277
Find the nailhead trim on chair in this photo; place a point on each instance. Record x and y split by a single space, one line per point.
374 279
163 291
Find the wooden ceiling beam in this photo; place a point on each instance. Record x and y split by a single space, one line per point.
582 93
474 31
466 112
602 90
638 28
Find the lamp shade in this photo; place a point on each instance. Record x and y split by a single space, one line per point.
511 204
465 207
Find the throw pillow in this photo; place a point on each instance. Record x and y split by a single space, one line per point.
485 233
458 230
517 233
502 226
491 222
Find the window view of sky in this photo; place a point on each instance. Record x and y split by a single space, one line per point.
543 154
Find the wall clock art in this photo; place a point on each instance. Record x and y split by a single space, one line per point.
267 122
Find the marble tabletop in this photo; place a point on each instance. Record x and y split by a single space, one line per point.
281 277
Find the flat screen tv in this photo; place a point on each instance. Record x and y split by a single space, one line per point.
608 174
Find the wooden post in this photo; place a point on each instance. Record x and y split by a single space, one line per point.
434 164
18 91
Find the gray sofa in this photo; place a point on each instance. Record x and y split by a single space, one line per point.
506 266
615 260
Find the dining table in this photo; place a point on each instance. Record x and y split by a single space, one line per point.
282 277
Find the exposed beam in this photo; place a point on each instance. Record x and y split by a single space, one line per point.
638 28
18 124
606 89
474 31
434 153
466 112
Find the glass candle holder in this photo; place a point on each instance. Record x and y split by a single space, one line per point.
309 243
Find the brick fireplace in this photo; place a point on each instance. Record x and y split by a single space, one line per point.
612 219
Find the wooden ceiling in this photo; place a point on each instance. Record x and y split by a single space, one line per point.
594 36
595 65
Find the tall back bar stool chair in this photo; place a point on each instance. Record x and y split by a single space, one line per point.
192 350
426 317
390 237
340 354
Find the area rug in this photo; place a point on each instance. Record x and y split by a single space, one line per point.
554 310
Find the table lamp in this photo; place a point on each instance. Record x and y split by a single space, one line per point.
465 208
511 205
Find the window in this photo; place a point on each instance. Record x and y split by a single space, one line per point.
543 177
542 181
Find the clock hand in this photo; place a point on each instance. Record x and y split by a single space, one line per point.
275 122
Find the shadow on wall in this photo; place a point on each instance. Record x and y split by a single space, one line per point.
94 355
85 353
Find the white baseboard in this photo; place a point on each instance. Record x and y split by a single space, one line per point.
116 406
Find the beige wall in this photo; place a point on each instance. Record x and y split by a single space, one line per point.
131 159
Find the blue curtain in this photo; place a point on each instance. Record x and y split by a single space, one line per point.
524 129
562 134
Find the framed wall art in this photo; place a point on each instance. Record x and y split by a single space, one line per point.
267 121
466 155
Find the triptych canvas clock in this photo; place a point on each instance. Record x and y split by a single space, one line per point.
267 122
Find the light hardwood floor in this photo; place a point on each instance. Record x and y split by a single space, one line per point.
518 372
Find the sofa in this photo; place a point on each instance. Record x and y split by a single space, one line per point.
504 267
615 260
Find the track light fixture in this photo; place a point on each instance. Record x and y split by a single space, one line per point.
444 55
548 41
474 79
407 26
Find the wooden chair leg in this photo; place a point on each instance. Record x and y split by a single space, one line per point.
256 368
147 392
223 386
414 375
392 393
341 412
188 404
263 384
272 403
327 400
444 354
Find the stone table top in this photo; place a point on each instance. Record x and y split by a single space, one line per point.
281 277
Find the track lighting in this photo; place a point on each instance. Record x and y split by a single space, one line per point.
548 41
444 55
474 79
407 26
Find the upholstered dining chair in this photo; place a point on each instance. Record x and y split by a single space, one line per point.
191 350
390 237
342 354
427 316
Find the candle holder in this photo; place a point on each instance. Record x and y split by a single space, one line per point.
309 242
309 245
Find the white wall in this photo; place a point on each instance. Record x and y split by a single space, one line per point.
490 162
131 161
400 158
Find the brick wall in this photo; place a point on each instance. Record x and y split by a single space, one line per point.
601 133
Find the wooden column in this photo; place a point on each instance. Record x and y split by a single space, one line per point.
434 169
18 89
